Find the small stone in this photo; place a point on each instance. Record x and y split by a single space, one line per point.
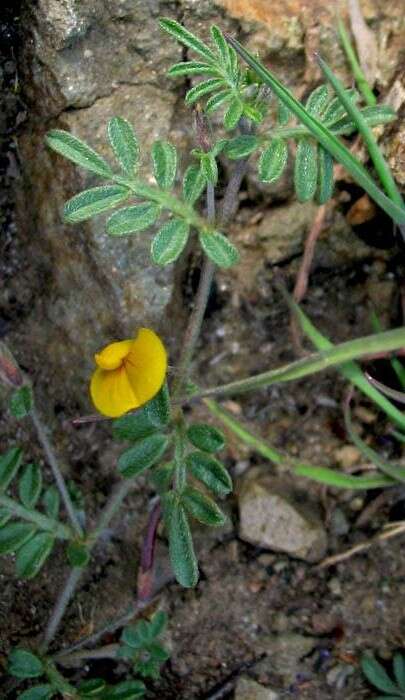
334 586
246 689
273 515
284 653
339 524
338 675
347 456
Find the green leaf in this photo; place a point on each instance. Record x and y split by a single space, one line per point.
399 670
190 68
325 176
217 100
51 501
205 437
203 88
193 184
164 157
305 169
381 166
124 144
10 463
181 550
5 516
14 535
33 554
162 476
331 477
241 146
330 142
78 554
202 508
273 160
210 472
233 114
317 100
143 455
93 202
151 418
336 110
21 402
132 219
187 38
158 623
221 46
255 114
91 687
75 150
30 485
219 249
38 692
372 115
283 113
23 664
377 675
209 168
170 241
127 690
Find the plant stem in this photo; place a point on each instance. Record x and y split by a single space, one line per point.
109 651
357 71
109 510
57 474
145 574
60 530
338 355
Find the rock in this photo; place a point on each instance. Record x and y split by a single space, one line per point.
284 654
246 689
347 456
274 515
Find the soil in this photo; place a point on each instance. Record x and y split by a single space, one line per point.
288 624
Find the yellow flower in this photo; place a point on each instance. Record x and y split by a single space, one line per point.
129 373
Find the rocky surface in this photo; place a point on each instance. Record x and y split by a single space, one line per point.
274 515
85 62
246 689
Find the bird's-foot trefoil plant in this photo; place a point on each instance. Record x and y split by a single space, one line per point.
131 385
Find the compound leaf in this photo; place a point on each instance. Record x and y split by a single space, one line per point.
169 242
30 485
78 152
124 144
219 249
10 463
202 508
273 160
33 554
181 550
143 455
305 169
132 219
164 157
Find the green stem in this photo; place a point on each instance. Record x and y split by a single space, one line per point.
56 471
357 71
33 516
109 510
58 681
388 341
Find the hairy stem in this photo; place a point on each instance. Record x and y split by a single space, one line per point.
33 516
109 510
56 471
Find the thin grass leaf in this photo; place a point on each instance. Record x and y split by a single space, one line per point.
395 363
325 176
305 169
335 479
187 38
191 68
95 201
258 444
376 155
356 69
350 370
394 472
323 135
78 152
124 144
273 160
386 390
202 89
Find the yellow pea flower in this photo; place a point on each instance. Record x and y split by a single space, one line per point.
129 373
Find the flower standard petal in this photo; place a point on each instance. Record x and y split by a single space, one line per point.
146 365
111 392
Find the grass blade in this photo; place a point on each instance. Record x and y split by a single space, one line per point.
330 142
